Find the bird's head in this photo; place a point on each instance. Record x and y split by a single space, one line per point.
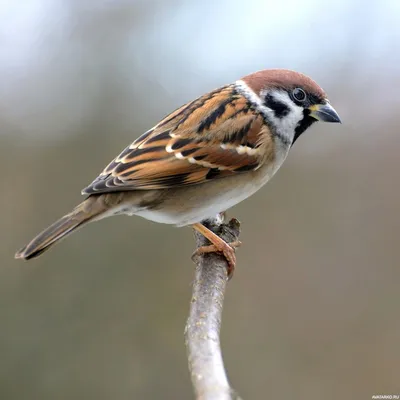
290 100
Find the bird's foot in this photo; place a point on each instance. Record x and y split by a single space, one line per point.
227 249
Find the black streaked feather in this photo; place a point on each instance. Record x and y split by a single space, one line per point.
122 168
239 135
195 105
144 136
187 153
244 168
213 173
160 136
181 143
207 122
140 152
172 180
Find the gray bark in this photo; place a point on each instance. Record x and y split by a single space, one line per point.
202 332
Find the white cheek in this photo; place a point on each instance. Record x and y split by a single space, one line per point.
285 126
288 123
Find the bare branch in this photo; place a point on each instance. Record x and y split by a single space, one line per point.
203 325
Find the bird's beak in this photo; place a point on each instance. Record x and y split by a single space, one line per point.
324 112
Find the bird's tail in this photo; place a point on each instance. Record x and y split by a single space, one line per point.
83 213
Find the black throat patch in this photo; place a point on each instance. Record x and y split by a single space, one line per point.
303 125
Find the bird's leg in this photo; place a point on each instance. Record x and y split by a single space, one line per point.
218 245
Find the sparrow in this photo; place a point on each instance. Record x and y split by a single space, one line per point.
202 159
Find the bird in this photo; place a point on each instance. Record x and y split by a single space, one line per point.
203 158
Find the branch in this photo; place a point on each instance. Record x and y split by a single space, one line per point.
203 325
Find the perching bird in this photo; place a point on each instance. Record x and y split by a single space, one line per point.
203 158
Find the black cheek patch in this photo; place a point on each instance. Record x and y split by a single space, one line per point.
280 109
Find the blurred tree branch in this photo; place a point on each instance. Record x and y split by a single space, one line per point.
203 325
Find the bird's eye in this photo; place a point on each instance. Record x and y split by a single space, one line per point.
299 95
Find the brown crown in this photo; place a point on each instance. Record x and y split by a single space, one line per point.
282 78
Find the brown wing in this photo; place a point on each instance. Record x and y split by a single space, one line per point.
217 135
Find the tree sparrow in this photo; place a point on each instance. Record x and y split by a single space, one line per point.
203 158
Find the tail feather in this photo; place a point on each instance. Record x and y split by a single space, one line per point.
81 215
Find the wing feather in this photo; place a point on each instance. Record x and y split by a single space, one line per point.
219 134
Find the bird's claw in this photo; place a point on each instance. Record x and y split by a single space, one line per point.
228 251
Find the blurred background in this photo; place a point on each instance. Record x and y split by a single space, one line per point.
313 310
